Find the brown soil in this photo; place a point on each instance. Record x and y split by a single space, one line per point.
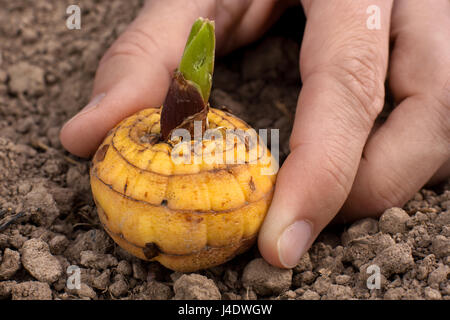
46 74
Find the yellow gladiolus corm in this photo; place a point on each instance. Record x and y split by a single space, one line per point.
187 215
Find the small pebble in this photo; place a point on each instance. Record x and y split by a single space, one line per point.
359 229
39 262
432 294
124 268
31 290
395 259
394 294
304 264
441 246
310 295
439 275
26 79
342 279
266 279
339 292
158 291
195 287
118 288
58 244
96 260
139 271
10 264
84 292
321 285
393 221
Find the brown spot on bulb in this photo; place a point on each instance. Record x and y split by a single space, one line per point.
101 153
125 187
251 184
151 250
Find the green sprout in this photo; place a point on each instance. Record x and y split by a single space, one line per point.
197 63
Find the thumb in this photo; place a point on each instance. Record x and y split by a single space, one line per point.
133 74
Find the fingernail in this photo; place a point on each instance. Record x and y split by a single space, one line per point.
94 103
293 243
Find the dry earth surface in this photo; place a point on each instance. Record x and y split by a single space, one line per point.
48 216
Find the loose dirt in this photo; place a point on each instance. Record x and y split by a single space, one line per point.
46 74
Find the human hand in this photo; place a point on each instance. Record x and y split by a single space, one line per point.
343 66
136 71
335 160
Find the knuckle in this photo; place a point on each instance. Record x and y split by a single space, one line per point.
134 42
337 168
386 193
441 109
203 7
360 76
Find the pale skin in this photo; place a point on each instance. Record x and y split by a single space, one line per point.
340 165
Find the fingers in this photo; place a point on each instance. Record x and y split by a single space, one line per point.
343 66
414 142
254 21
442 174
136 71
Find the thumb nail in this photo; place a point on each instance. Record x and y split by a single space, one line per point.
293 243
95 101
92 105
